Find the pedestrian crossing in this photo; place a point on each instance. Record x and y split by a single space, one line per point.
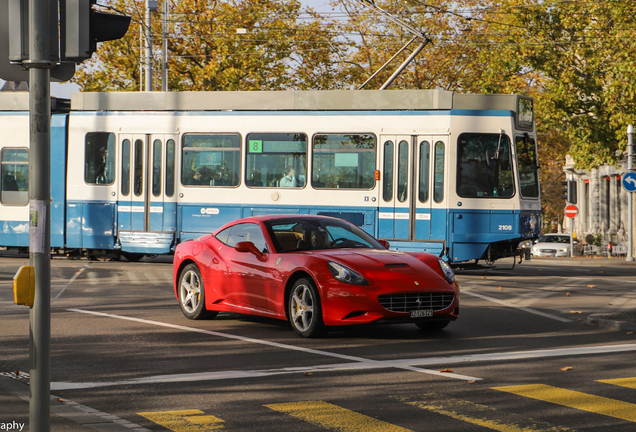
323 415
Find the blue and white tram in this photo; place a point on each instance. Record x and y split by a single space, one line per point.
427 170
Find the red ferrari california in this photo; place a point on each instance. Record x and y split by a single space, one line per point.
315 271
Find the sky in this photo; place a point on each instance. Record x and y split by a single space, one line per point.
64 90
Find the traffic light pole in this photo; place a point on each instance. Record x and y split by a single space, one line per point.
39 65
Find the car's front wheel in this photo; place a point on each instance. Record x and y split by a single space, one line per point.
192 294
305 312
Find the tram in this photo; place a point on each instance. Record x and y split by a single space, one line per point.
134 174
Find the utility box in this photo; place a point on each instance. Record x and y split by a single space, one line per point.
24 286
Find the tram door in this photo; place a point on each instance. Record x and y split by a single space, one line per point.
412 188
147 199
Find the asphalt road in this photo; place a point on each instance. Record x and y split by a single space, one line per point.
520 357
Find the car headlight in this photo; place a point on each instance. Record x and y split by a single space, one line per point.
446 270
563 249
344 274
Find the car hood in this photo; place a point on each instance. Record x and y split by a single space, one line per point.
381 265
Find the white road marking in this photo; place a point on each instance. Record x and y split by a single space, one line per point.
525 309
525 300
373 364
77 273
357 363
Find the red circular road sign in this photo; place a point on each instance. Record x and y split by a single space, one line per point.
571 211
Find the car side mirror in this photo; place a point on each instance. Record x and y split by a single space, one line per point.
385 243
247 246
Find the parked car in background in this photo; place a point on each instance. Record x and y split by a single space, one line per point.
556 245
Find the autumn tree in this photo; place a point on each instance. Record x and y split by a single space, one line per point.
586 51
223 45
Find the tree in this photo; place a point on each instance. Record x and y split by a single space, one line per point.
224 45
586 52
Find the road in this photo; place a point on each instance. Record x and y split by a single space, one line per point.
520 358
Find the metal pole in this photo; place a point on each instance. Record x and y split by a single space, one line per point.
404 65
39 203
387 63
148 48
630 198
572 237
164 47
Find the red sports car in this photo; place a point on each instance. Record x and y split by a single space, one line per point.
315 271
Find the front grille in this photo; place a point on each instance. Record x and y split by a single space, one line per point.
548 250
414 301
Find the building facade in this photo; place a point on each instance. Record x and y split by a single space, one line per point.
603 204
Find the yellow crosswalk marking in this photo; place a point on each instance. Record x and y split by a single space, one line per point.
480 415
185 420
574 399
334 417
623 382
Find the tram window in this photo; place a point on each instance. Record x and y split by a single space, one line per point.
438 173
211 160
343 161
527 160
387 182
484 166
156 167
99 158
170 146
276 159
14 177
425 155
403 171
138 173
125 167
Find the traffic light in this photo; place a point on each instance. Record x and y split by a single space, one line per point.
569 191
81 27
14 41
572 192
564 189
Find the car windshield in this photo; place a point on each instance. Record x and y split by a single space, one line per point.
291 235
555 239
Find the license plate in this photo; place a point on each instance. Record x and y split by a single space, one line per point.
422 313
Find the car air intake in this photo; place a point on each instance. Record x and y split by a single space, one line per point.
414 301
395 265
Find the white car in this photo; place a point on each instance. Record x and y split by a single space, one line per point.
555 245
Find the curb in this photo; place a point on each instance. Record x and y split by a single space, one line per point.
596 321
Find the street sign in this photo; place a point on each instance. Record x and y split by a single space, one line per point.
571 211
629 181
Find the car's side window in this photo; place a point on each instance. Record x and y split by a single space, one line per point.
245 232
223 235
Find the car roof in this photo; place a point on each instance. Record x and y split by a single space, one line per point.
281 217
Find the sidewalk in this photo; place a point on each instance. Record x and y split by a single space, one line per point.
584 261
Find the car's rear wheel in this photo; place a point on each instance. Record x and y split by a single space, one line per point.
432 325
192 294
305 312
